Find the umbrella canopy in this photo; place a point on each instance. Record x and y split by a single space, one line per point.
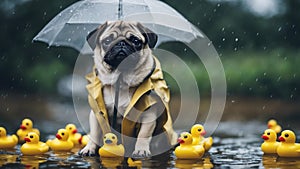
72 25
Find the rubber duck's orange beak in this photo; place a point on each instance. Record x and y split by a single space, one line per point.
80 140
269 125
74 131
203 133
23 127
58 136
265 137
281 139
27 139
180 141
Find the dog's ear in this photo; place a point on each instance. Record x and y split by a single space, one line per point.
92 37
150 36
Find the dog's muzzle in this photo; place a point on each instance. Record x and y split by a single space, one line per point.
119 53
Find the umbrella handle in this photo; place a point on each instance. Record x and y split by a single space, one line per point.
120 9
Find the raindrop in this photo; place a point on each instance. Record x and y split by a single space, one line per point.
291 96
242 84
45 13
209 43
235 49
294 75
232 33
223 39
60 7
285 58
279 78
265 48
35 80
7 109
71 11
184 49
58 56
256 79
236 39
271 96
265 74
223 29
69 40
232 101
215 10
257 34
250 88
191 2
218 5
279 29
295 88
264 107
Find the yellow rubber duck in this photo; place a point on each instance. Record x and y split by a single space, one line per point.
110 147
269 146
61 142
272 124
7 142
83 140
33 145
198 133
186 150
288 147
25 128
73 135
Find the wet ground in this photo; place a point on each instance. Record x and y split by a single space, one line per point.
236 145
236 140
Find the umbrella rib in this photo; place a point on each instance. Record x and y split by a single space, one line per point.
120 10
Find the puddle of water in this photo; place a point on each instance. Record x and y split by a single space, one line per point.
230 150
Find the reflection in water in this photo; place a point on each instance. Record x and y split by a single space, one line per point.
7 159
187 164
33 162
273 161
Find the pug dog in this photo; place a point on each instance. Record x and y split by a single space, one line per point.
126 72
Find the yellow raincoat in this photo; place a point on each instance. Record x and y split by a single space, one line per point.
141 101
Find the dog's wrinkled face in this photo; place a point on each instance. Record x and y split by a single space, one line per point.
121 42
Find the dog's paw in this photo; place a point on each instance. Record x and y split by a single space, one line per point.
88 150
141 154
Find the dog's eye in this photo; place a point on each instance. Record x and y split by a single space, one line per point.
113 137
106 41
137 42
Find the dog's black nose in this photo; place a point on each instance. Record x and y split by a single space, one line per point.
121 43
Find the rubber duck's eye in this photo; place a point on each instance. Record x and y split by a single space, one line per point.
268 133
185 136
31 136
27 124
62 133
70 128
286 135
199 129
113 137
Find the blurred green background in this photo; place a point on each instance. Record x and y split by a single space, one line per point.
258 43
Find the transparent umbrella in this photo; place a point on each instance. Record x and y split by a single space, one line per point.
72 25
